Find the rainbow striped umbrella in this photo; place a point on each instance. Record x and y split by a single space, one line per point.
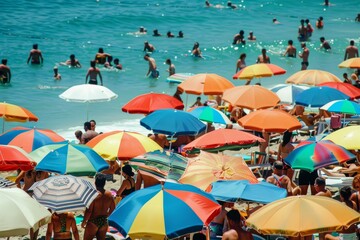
170 210
209 114
310 156
342 106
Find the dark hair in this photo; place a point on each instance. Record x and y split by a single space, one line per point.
290 42
286 138
116 60
352 42
278 165
242 55
101 50
234 215
87 125
100 180
93 63
345 192
35 45
147 55
199 236
4 61
320 181
72 56
128 170
241 32
168 61
92 120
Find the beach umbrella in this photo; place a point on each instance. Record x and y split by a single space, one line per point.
310 156
312 77
122 145
223 139
251 97
68 158
172 163
147 103
233 190
29 139
347 137
88 93
302 216
64 193
20 213
173 122
350 63
149 213
259 70
14 158
288 93
14 113
319 96
4 183
209 114
207 168
205 83
273 120
348 89
342 106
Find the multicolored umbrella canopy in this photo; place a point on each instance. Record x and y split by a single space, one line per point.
122 145
169 210
64 193
68 158
288 93
150 102
207 168
14 158
342 106
310 156
223 139
347 137
312 77
20 213
209 114
348 89
173 122
319 96
172 163
29 139
205 83
259 70
251 97
273 120
350 63
234 190
302 216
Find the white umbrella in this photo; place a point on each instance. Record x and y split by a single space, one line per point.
20 213
64 193
287 93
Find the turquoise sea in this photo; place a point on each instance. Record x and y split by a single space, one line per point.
69 27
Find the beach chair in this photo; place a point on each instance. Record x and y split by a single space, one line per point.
259 164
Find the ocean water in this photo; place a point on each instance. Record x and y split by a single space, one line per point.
63 27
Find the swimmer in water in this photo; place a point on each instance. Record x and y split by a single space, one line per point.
100 57
196 50
324 44
290 50
57 75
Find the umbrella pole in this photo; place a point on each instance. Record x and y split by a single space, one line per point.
186 101
171 139
87 112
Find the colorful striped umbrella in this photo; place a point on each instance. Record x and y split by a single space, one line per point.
312 77
259 70
310 156
169 210
348 89
350 63
29 139
122 145
342 106
68 158
209 114
319 96
64 193
14 158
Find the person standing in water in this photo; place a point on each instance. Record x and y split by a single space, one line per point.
171 69
153 72
305 56
290 50
5 73
100 57
351 51
35 55
93 72
57 75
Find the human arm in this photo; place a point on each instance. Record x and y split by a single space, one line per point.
41 58
74 228
9 75
30 55
101 80
19 178
112 204
346 53
87 214
87 76
49 231
138 181
123 186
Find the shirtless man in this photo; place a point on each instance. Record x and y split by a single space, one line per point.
263 58
305 56
57 75
302 31
160 139
96 216
100 57
290 50
251 36
73 62
282 181
5 73
351 51
236 231
93 72
324 44
320 188
148 47
152 67
239 38
88 134
35 55
171 68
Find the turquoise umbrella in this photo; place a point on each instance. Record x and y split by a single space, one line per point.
68 158
342 106
209 114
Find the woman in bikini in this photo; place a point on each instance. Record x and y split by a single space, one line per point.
356 196
128 185
285 148
60 225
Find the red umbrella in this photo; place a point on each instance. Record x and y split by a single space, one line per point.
223 139
148 103
14 158
346 88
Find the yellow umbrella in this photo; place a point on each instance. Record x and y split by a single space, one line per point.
350 63
14 113
259 70
312 77
302 216
209 167
348 137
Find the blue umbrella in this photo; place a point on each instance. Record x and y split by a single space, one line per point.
288 93
319 96
173 122
232 190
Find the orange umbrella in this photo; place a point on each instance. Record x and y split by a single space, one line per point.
207 84
273 120
350 63
14 113
209 167
348 89
251 97
258 71
312 77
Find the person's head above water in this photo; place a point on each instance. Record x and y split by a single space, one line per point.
101 50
